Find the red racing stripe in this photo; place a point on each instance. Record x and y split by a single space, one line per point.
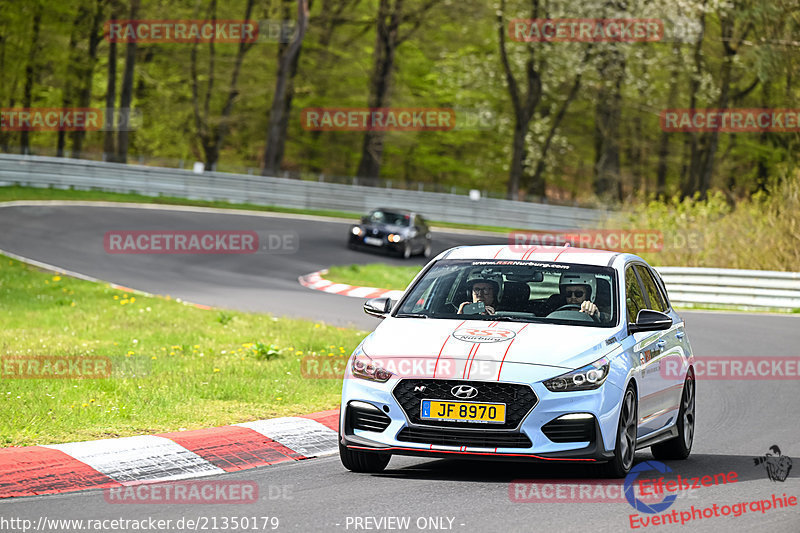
474 347
442 348
38 470
528 252
507 349
233 448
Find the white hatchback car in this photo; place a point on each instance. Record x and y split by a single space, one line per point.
543 354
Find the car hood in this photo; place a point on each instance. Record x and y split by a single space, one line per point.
480 349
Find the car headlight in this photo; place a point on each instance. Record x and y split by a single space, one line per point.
357 231
365 368
394 237
588 377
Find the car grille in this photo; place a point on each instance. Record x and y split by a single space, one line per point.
565 430
519 400
366 419
462 437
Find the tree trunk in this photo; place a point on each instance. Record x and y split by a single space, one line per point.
523 105
386 42
726 27
30 73
694 139
86 73
126 92
111 94
537 182
73 59
608 115
282 98
663 141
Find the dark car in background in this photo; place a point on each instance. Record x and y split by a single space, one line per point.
403 232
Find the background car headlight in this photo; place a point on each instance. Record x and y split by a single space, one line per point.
588 377
356 231
365 368
394 237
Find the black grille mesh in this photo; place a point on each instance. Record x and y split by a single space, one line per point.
519 400
367 419
560 430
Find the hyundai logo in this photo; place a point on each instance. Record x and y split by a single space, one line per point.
464 391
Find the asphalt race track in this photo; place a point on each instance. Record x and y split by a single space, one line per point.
737 420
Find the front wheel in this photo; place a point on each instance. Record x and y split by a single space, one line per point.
681 446
358 461
625 447
406 253
426 252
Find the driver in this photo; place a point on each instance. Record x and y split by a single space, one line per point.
482 289
579 289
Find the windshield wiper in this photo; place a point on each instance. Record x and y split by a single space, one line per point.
410 315
501 318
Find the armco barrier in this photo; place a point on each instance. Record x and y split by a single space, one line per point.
38 171
727 287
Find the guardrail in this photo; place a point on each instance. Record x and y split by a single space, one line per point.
39 171
755 289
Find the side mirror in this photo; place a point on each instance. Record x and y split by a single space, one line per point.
649 320
364 219
378 307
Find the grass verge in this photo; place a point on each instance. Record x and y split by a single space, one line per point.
173 366
379 275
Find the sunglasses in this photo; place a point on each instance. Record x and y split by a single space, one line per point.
576 294
481 290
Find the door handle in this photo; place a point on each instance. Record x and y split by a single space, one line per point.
680 335
661 343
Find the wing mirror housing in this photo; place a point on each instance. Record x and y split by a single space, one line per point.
378 307
650 320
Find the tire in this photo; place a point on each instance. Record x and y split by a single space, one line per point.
406 253
426 252
367 462
681 446
625 444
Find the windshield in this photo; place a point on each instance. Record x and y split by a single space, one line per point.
524 291
387 217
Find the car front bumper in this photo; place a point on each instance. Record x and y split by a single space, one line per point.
537 429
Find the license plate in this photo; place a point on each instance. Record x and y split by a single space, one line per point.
373 241
493 413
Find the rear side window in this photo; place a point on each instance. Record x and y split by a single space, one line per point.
634 300
657 301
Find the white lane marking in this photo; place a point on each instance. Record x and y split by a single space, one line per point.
302 435
141 458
